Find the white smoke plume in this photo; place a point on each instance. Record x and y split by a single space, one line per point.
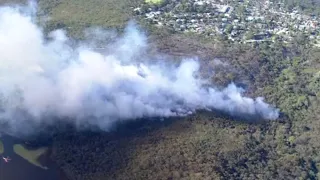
42 78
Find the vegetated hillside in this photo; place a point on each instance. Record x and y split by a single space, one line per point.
203 146
77 15
206 146
12 2
74 16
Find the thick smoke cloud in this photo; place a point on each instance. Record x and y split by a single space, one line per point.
42 78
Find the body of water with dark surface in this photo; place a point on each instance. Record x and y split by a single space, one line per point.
20 169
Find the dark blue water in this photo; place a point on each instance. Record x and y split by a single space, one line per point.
20 169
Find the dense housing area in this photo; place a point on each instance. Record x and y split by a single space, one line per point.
240 21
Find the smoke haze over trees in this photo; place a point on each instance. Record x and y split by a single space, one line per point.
203 145
48 78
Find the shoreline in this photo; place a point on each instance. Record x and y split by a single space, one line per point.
53 170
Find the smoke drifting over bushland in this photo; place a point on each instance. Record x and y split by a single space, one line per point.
42 78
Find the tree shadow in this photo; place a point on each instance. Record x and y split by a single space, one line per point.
97 154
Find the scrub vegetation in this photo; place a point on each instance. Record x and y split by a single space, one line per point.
205 145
